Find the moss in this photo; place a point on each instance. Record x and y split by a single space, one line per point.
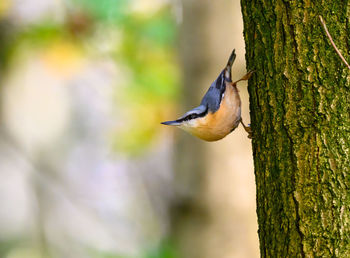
300 115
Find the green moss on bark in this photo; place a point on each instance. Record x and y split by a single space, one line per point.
300 115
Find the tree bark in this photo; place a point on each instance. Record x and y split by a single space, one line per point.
300 116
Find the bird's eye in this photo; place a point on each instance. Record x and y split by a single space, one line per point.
189 117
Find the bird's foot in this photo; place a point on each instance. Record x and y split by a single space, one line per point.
245 77
248 129
248 75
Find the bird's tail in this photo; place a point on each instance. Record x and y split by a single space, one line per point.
229 65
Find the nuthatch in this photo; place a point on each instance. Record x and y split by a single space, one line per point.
220 110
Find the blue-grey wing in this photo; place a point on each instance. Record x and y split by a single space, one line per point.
212 98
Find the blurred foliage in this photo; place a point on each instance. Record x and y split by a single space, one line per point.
145 49
6 245
165 250
148 49
113 11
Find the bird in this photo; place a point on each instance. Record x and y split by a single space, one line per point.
219 112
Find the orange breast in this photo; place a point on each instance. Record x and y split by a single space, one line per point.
216 126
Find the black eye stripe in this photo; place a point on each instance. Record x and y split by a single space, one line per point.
189 117
193 116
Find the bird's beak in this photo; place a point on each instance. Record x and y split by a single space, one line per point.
174 122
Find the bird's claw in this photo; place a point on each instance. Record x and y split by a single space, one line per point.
248 75
249 130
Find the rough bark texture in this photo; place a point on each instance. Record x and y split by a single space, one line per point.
300 115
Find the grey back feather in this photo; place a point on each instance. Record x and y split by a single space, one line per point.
212 98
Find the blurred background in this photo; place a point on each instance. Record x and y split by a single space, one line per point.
86 169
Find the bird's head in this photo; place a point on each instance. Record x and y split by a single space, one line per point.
190 120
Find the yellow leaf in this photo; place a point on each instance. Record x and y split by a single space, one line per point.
4 7
63 57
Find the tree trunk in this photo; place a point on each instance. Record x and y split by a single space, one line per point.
300 116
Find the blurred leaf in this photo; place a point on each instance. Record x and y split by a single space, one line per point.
4 7
147 49
139 129
165 250
41 33
105 10
33 36
142 34
63 57
160 29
